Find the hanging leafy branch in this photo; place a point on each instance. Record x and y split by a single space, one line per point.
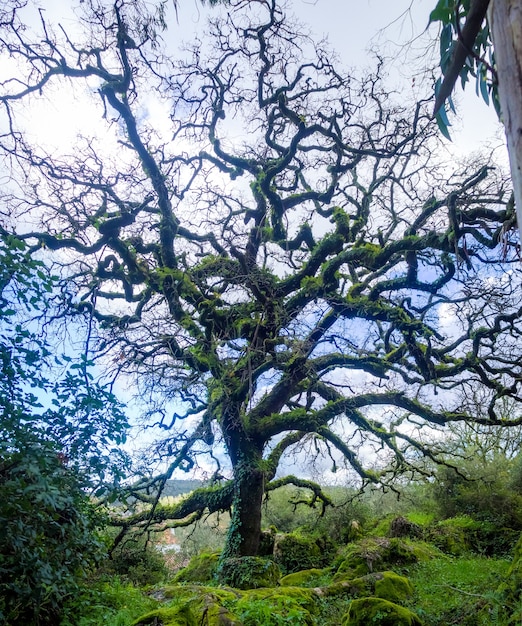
466 50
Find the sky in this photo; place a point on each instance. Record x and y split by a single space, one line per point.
356 31
398 29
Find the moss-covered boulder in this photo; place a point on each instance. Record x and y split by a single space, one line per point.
379 612
201 569
167 616
454 535
267 542
249 572
375 554
305 578
191 603
386 585
391 586
295 552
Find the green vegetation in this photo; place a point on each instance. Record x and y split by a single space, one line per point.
437 577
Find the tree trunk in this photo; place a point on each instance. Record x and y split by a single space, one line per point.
505 21
245 524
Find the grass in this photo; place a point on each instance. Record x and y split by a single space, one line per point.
457 590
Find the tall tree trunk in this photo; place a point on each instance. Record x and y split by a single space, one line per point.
505 21
245 524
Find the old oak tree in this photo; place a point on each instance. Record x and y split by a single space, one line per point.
267 243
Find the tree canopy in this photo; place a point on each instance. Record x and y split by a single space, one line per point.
273 251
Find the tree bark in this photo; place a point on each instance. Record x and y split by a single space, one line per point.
505 21
245 524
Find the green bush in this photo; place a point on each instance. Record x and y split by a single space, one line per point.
47 538
336 522
59 437
487 498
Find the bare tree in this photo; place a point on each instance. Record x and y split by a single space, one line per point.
282 263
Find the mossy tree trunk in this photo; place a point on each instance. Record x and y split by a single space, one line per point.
245 525
246 455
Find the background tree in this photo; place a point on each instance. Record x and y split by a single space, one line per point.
278 260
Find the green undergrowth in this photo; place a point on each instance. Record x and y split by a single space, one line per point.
458 590
446 591
111 603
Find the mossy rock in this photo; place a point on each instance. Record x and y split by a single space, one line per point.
249 572
380 554
168 616
191 603
454 535
191 593
379 612
392 587
294 552
386 585
201 569
267 542
304 578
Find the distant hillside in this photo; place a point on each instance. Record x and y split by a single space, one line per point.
175 488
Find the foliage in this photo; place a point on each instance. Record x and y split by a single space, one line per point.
286 509
249 572
276 609
137 561
457 590
47 540
49 455
206 535
482 493
277 268
109 602
476 48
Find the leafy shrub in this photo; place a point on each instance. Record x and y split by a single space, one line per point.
282 512
58 436
276 607
111 603
47 540
487 498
